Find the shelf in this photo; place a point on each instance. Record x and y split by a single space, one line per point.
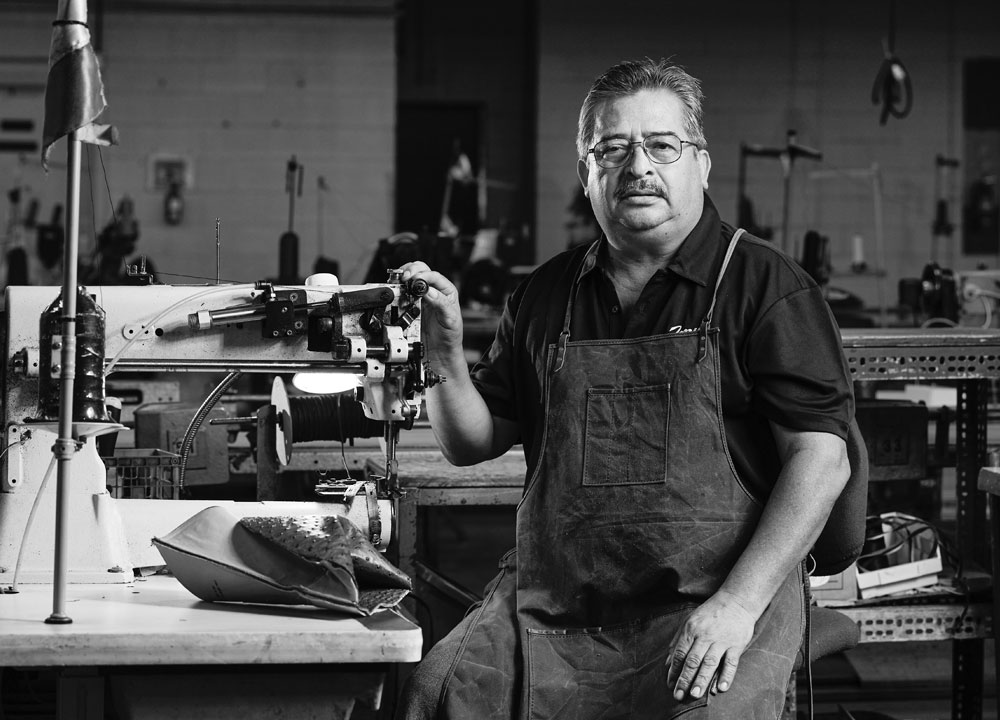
908 623
922 354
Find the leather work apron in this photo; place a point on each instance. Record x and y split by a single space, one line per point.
619 542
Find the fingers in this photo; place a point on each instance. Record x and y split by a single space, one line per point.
701 668
706 650
680 643
705 672
440 287
412 268
728 671
696 670
674 665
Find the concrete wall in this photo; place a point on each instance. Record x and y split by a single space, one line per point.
768 67
239 94
236 96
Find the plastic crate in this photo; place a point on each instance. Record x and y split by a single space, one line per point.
144 474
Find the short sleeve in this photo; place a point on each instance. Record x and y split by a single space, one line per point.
796 359
493 375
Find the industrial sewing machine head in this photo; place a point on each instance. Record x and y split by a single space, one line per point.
372 331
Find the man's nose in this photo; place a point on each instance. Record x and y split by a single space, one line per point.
639 164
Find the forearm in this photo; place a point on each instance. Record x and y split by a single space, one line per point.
465 430
807 488
462 423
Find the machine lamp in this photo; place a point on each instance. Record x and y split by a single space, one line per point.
325 383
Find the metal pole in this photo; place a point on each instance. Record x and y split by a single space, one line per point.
786 170
879 243
218 251
65 446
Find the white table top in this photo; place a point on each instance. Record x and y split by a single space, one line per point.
155 621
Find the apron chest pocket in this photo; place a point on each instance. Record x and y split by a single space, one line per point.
625 442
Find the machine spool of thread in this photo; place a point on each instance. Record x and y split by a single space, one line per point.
89 403
330 417
303 418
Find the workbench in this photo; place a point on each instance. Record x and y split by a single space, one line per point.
156 652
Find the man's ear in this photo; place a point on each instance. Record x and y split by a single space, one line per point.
705 163
583 172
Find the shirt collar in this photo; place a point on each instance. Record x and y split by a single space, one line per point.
694 259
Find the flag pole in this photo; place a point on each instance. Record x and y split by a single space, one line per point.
65 446
74 98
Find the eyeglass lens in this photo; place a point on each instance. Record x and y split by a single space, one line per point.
661 148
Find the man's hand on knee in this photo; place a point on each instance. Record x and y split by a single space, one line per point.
706 650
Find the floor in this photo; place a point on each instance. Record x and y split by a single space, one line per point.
902 681
888 681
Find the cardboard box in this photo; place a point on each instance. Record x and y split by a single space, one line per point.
916 564
839 589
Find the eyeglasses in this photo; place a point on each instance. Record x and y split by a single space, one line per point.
660 148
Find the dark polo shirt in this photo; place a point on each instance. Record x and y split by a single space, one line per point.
780 352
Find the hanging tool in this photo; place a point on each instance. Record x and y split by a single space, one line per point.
288 243
893 89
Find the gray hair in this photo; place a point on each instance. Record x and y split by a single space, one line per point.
631 76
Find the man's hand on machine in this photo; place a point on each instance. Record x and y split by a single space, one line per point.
440 312
706 650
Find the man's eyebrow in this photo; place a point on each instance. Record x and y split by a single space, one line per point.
613 136
626 136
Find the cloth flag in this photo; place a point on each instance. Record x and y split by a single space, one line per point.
74 93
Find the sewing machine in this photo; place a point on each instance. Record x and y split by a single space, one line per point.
370 330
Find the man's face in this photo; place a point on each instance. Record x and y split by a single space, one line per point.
643 199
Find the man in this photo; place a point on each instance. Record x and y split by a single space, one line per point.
581 225
683 401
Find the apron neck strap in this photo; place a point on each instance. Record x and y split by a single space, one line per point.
722 271
589 259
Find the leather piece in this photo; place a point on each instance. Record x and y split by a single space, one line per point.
333 542
217 558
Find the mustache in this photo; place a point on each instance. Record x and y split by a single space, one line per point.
640 185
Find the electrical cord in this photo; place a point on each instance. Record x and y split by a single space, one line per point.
199 417
807 638
971 292
903 532
979 292
7 449
31 521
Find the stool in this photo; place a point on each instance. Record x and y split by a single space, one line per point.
838 545
829 632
